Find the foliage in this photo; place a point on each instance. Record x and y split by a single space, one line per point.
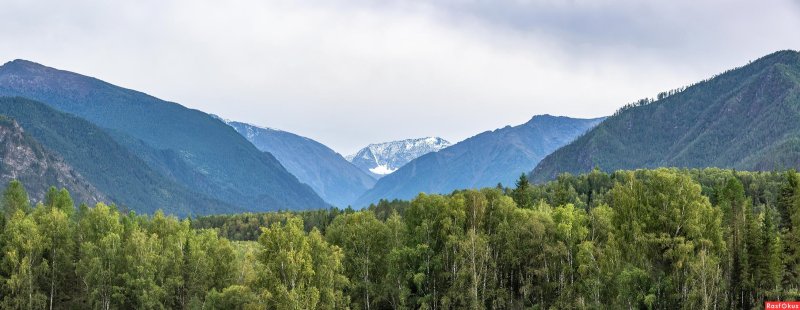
664 238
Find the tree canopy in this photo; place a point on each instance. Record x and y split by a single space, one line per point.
664 238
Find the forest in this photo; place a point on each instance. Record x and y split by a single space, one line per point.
643 239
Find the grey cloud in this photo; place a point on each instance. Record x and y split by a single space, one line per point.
349 73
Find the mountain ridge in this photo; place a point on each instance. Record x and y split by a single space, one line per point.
255 181
731 120
483 160
124 178
335 179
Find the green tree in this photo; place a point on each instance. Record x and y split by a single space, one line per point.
521 192
100 264
399 265
15 198
60 199
791 238
58 243
329 274
474 257
289 278
435 224
232 297
663 222
737 212
770 264
786 200
171 236
210 263
363 239
139 258
571 230
22 250
589 276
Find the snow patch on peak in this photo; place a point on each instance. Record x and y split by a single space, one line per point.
249 131
264 128
235 124
385 158
382 170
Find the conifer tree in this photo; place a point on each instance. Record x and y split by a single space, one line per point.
520 193
15 198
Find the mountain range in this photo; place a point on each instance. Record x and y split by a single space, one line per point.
380 159
747 118
489 158
331 176
188 147
107 143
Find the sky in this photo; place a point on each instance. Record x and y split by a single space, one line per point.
350 73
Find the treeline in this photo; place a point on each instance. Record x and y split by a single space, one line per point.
247 226
661 238
675 91
57 256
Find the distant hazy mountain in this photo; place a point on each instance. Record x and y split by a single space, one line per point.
492 157
110 167
380 159
189 146
23 158
747 118
335 179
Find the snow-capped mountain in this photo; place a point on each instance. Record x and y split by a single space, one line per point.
380 159
483 160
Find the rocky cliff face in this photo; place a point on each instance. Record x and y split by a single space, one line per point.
24 159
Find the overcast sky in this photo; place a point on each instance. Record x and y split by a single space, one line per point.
349 73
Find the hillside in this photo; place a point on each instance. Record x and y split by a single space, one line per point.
380 159
492 157
747 118
23 158
195 149
335 179
113 169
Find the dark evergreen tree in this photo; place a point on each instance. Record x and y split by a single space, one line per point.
521 193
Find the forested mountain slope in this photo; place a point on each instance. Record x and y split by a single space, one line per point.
124 178
220 162
492 157
747 118
335 179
